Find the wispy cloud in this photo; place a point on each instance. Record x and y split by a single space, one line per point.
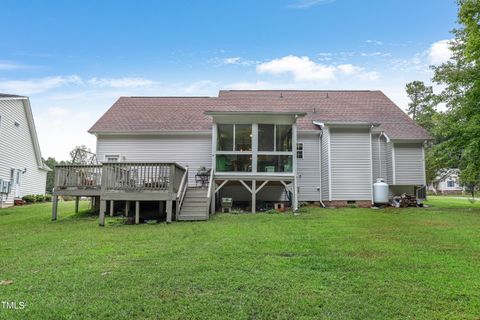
376 42
239 61
38 85
125 82
305 4
10 65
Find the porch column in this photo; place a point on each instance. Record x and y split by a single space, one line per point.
101 215
76 203
54 207
169 211
137 212
111 208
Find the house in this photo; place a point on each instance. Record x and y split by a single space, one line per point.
447 182
22 170
263 147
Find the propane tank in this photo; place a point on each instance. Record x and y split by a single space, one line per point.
380 191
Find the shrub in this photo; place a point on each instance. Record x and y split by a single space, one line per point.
39 198
48 198
29 198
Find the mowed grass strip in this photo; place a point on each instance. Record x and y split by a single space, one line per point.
324 263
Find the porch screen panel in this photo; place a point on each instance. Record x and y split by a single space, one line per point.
225 137
243 137
284 138
234 163
266 137
275 163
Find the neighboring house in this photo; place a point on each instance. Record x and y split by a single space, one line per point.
447 182
265 146
22 170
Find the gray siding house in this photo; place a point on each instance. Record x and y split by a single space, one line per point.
263 146
22 170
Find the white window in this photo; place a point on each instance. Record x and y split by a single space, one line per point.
450 183
12 175
112 158
300 150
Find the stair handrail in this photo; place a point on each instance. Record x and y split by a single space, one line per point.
182 190
209 192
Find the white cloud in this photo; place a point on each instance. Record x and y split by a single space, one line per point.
349 69
125 82
302 68
305 70
439 52
32 86
304 4
257 85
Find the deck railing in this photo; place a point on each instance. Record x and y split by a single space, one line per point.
121 177
78 176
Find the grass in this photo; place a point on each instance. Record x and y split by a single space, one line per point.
324 263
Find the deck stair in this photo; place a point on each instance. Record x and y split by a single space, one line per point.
195 205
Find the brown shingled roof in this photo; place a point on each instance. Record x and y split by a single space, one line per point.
172 114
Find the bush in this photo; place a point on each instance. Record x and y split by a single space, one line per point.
39 198
29 198
48 198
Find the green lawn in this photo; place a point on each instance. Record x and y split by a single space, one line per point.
324 263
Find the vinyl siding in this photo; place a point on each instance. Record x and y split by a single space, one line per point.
187 150
325 166
379 157
308 168
409 164
17 152
351 164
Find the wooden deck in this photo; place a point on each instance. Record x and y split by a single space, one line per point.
123 181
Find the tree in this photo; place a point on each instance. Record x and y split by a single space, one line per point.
459 130
51 163
423 104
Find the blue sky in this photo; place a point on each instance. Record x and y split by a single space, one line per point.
75 58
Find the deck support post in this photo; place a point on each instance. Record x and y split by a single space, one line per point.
169 211
212 201
77 199
101 215
161 208
177 208
137 212
254 196
92 203
54 207
127 207
111 208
